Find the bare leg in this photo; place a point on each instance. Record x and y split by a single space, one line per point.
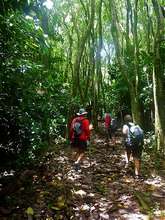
76 156
127 156
137 166
74 153
107 135
80 157
113 140
110 134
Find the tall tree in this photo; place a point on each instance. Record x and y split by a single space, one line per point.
131 75
158 76
80 50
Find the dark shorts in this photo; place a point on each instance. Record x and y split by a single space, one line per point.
108 132
135 150
82 145
113 130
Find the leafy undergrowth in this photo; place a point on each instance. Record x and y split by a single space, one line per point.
101 189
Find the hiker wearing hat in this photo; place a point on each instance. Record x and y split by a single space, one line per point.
80 135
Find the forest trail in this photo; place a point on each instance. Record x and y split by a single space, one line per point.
101 189
104 189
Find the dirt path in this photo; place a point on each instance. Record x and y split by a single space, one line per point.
101 189
104 189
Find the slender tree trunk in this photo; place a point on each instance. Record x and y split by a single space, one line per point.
69 65
88 75
80 52
159 78
99 48
160 136
132 83
93 84
149 121
135 106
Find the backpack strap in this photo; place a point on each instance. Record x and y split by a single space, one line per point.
78 119
129 127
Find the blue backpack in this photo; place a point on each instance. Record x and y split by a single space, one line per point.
114 124
136 135
77 127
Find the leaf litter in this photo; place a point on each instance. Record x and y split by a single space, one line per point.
101 189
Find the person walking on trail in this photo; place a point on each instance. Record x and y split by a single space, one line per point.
107 124
133 141
114 126
80 136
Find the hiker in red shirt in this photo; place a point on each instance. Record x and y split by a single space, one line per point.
107 124
80 135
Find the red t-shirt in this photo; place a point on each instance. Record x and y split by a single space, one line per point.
107 120
85 135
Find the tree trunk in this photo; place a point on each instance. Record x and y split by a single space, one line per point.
159 117
80 52
93 87
159 78
135 106
124 67
99 48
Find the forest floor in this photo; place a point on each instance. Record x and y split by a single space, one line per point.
101 190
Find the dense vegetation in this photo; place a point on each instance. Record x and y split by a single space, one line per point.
60 55
96 54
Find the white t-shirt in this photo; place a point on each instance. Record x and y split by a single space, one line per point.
125 131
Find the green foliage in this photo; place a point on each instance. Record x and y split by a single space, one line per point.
150 141
116 91
33 97
38 52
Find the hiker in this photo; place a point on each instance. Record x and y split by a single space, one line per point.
107 124
80 135
113 128
133 141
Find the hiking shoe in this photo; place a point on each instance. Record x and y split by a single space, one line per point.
138 177
76 166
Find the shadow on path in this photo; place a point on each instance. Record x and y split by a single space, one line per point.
104 189
101 189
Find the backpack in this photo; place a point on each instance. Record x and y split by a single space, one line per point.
114 124
77 127
136 135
